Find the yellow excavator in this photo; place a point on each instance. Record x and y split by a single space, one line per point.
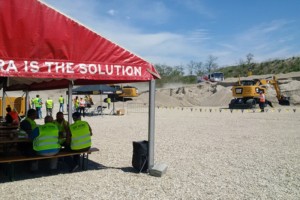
124 93
246 93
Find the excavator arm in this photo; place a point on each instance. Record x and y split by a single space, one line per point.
281 98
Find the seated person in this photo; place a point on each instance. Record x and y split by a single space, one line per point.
12 117
45 142
80 140
27 125
63 127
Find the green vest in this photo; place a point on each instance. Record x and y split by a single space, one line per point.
37 102
81 136
108 100
47 139
49 103
77 103
61 126
61 100
32 123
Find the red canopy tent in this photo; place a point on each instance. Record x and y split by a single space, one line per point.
38 42
42 49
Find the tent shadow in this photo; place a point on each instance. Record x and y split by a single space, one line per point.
21 174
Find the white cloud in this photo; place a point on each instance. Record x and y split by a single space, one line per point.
112 12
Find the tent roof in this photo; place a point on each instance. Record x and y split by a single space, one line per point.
41 48
94 89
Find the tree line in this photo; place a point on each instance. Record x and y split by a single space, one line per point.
187 74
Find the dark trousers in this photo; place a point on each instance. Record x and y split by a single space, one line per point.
39 112
49 111
61 107
262 106
82 109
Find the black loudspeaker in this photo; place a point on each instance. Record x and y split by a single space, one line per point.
140 156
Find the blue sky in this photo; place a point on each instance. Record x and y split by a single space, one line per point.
175 32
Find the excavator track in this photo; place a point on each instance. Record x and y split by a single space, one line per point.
241 103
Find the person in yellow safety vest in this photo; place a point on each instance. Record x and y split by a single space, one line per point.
61 102
63 127
27 126
38 106
108 101
76 104
45 142
262 101
49 106
32 103
81 133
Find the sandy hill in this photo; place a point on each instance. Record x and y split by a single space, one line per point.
219 94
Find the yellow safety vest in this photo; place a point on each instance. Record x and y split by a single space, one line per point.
37 102
108 100
49 103
81 136
31 122
47 139
61 126
76 103
61 100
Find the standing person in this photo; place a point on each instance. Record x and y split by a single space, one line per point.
61 102
12 117
80 140
41 103
76 104
108 101
82 104
49 106
38 106
32 103
87 101
91 100
45 142
262 100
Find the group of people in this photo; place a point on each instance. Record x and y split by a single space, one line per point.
80 104
49 138
37 104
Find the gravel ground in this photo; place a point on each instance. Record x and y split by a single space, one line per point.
210 155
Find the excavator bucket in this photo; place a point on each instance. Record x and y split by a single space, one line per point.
284 102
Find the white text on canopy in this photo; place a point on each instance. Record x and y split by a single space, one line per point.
69 68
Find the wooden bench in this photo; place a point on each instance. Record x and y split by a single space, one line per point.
20 158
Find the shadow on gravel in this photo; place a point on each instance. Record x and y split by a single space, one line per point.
22 172
97 166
